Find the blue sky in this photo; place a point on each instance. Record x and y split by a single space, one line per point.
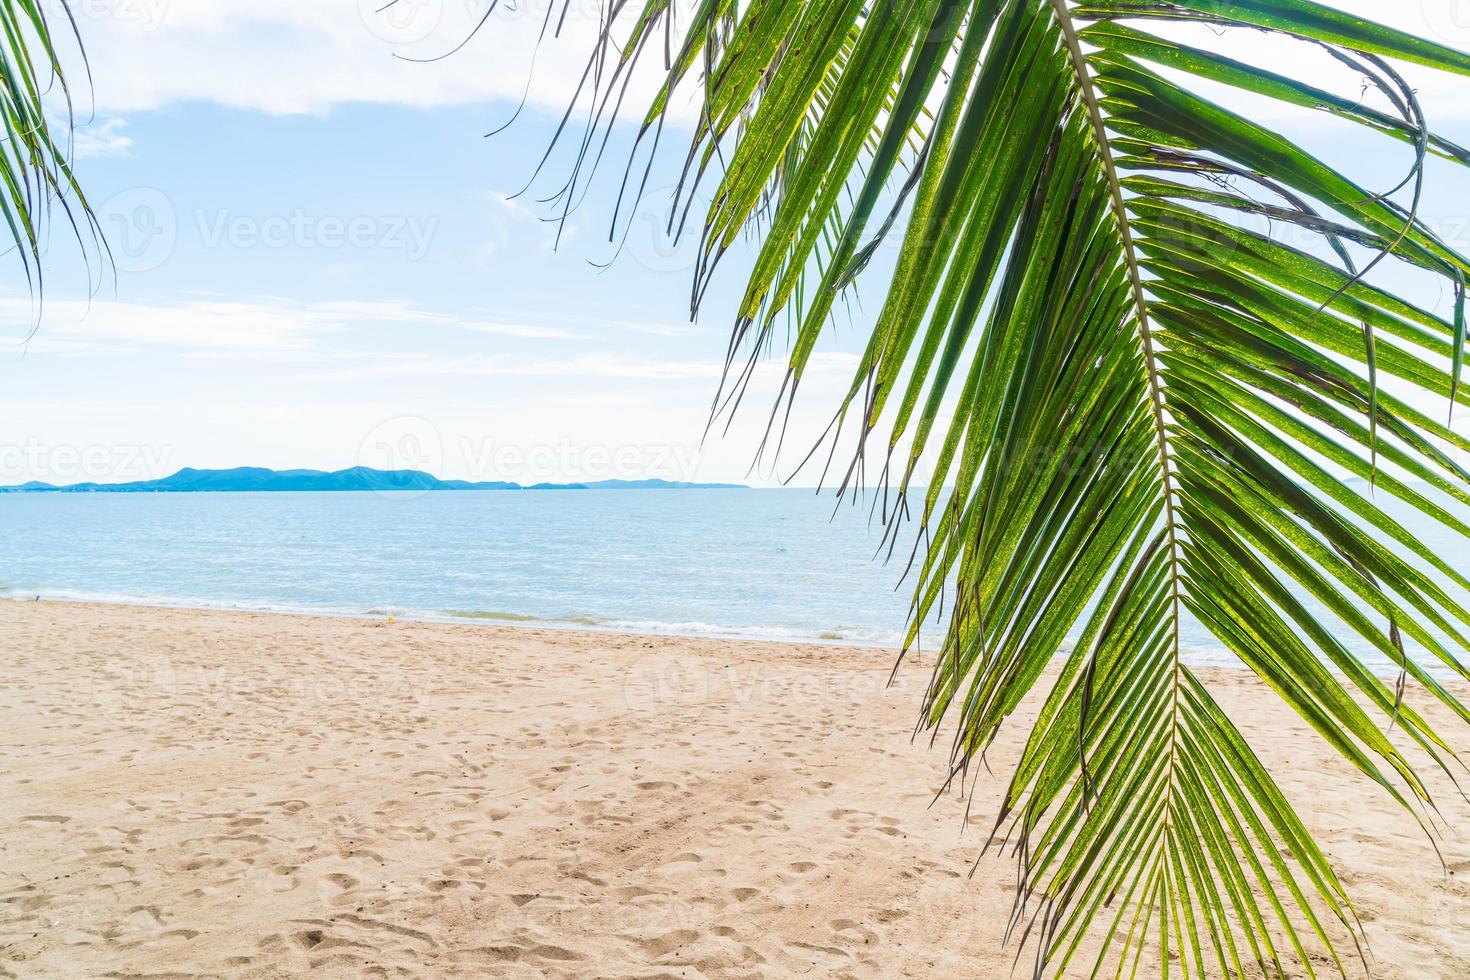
317 264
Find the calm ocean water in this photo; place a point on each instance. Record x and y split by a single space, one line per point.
768 564
759 563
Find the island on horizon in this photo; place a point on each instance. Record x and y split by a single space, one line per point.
256 479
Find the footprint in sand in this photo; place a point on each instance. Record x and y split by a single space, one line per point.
847 928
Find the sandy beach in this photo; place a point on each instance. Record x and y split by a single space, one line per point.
188 793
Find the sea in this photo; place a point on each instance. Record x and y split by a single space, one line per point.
761 564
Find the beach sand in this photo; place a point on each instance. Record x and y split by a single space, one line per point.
230 794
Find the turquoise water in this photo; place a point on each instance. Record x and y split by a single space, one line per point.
764 564
772 564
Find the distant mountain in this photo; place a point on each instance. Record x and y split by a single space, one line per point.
255 479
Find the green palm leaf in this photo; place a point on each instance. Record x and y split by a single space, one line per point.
35 161
1142 405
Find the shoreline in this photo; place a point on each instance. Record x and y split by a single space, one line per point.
509 620
1200 659
259 795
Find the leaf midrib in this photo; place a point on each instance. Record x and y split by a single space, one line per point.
1140 301
1088 90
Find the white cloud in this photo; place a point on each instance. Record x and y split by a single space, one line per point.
400 311
608 367
102 139
220 325
824 367
286 56
663 329
276 382
529 331
508 219
213 324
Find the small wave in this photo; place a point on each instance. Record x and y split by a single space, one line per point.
189 602
854 636
104 598
491 614
1196 654
845 635
576 620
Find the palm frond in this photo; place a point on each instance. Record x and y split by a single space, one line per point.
1145 408
35 160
